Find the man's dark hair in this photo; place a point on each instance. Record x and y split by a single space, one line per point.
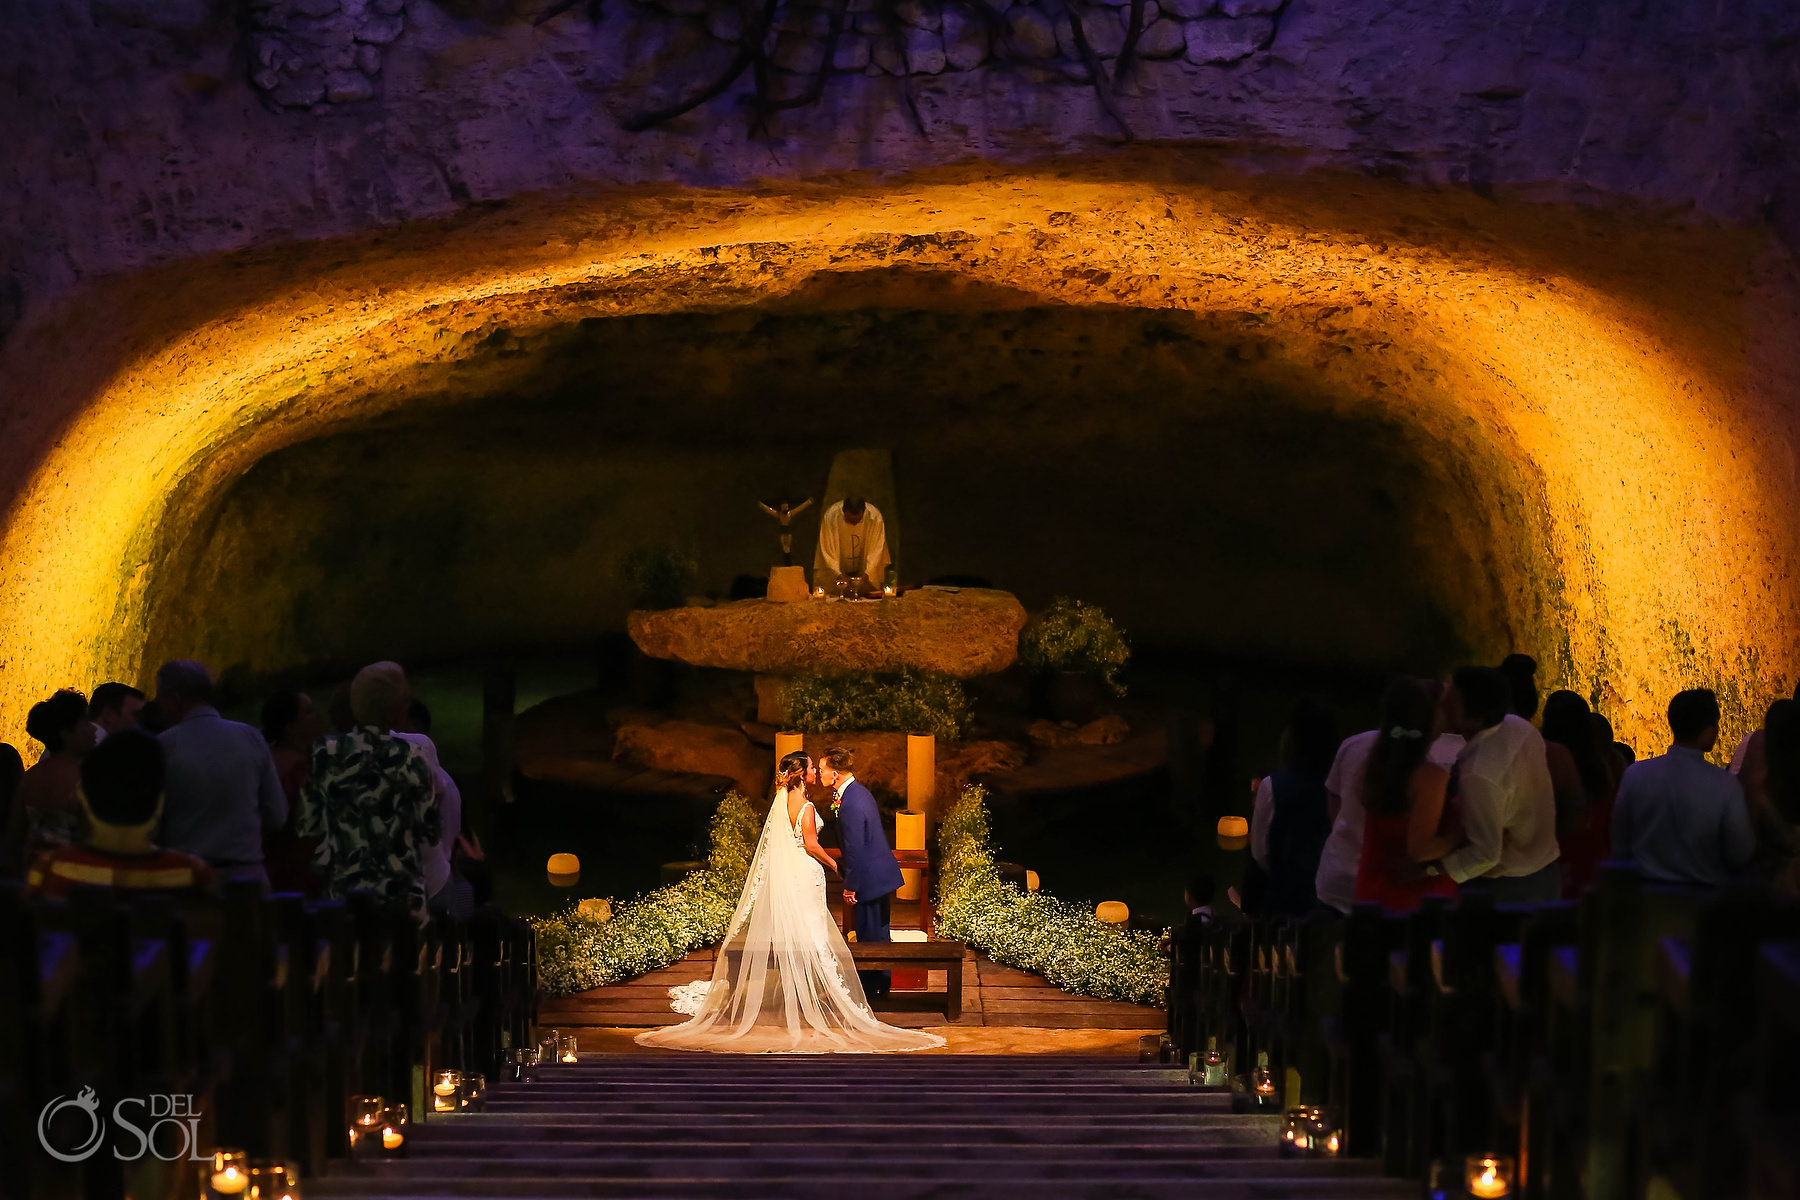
838 759
854 506
1521 680
1486 695
1691 712
109 697
1199 889
50 721
1625 752
419 717
184 677
122 778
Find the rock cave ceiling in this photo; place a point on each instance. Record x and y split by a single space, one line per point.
1600 385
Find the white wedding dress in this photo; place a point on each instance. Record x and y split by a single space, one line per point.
784 981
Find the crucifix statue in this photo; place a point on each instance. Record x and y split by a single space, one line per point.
785 512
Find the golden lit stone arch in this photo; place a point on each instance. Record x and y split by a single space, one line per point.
1621 385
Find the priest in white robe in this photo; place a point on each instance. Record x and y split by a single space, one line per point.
853 543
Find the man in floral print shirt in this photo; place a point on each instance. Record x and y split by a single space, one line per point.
371 802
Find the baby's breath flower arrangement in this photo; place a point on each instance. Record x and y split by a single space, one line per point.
1064 942
578 950
1078 638
903 702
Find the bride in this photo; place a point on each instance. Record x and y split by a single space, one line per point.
784 981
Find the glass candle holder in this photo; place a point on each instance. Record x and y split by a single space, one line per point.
1297 1132
229 1174
270 1180
1262 1080
474 1092
1212 1065
446 1091
396 1123
1488 1176
365 1126
566 1049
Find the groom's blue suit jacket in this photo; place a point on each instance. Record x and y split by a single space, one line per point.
869 867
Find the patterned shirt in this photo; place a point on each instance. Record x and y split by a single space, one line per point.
56 872
371 805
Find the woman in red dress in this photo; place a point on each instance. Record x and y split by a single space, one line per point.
1408 820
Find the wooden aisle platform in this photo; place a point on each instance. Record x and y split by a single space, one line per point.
992 996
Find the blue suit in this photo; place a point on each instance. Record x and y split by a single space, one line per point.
870 872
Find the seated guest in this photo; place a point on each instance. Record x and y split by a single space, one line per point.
1770 775
290 724
1583 773
47 813
852 544
1406 822
1501 785
370 805
122 792
447 891
222 793
115 706
1301 820
1681 819
1341 859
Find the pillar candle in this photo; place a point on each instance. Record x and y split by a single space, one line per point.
787 743
921 771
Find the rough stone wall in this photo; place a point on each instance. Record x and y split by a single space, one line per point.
143 131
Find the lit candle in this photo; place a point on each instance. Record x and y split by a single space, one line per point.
888 590
568 1049
229 1175
391 1138
1488 1176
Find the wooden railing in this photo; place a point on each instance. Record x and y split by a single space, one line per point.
260 1016
1645 1041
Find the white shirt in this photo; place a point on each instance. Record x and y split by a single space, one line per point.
859 549
1508 804
1336 881
434 860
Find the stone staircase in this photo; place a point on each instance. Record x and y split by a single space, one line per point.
854 1128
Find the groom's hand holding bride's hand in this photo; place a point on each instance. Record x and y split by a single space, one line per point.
849 897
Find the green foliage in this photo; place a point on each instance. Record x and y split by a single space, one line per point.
1076 637
909 702
658 575
1062 941
577 952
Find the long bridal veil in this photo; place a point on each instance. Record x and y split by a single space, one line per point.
784 981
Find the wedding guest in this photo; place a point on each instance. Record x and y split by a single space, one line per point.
48 809
122 788
1681 819
12 822
222 795
1407 822
853 542
1748 740
1341 859
1501 784
1520 671
370 804
1770 775
1301 820
1626 754
115 706
290 724
1586 781
446 891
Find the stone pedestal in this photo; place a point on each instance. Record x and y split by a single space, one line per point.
787 584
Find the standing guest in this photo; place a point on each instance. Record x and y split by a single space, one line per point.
1501 784
48 811
1341 859
223 795
445 891
115 706
1609 747
290 724
1301 821
1748 741
1626 754
370 805
1407 823
1770 775
1681 819
1583 771
852 543
122 789
1520 671
12 821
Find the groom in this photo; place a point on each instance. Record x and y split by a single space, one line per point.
871 876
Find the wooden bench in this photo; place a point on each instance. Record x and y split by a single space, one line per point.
928 956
